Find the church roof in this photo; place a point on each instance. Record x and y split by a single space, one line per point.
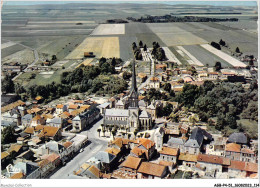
145 114
239 138
117 112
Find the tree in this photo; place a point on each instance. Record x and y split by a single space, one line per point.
145 48
110 129
54 58
238 50
104 131
218 66
33 75
135 132
99 130
114 133
134 46
7 85
222 43
140 44
167 87
216 45
102 125
7 135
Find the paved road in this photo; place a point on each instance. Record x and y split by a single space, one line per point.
97 144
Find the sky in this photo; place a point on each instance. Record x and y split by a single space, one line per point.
215 3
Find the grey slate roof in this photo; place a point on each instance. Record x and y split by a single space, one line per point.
144 114
54 146
117 112
7 123
56 120
198 135
141 103
104 105
26 167
105 157
239 138
115 122
192 143
178 141
27 117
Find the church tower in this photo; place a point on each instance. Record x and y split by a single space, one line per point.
133 96
133 120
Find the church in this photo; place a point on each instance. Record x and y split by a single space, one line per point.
127 112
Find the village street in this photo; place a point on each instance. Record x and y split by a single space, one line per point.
96 144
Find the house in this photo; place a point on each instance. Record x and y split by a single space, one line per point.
176 143
85 119
232 151
238 138
103 107
8 99
53 147
27 120
213 75
107 160
53 133
242 169
142 76
145 149
128 169
193 145
188 160
169 154
73 107
45 167
148 170
28 169
154 83
38 120
12 106
89 54
26 156
211 164
90 171
55 122
217 146
60 108
12 117
158 138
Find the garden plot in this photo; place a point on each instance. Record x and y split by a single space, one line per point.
109 29
7 44
11 50
224 56
194 60
107 47
171 56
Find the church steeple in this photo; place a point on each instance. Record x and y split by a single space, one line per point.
133 97
133 87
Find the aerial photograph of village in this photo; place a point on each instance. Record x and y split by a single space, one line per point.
129 90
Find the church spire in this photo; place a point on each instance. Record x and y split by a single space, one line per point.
133 87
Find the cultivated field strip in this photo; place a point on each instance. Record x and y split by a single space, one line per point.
101 46
7 44
234 62
204 55
109 29
194 59
59 22
171 56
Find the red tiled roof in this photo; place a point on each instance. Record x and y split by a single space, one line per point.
233 147
67 144
169 151
247 150
210 159
59 106
244 166
151 169
73 106
29 130
18 175
146 143
52 157
166 163
131 162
